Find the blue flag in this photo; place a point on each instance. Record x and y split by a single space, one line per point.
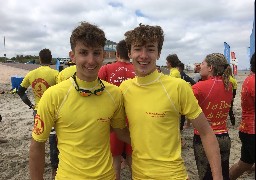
227 52
58 64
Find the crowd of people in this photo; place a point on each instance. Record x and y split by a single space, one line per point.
96 116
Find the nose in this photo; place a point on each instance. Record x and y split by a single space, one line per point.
90 58
144 53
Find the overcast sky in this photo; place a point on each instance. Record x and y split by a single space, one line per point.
193 28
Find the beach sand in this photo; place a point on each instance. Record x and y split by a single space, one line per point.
17 122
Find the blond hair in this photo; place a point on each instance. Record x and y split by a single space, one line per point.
219 65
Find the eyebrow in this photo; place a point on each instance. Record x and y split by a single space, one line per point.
151 45
148 45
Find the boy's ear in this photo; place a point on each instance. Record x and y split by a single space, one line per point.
129 55
72 56
210 68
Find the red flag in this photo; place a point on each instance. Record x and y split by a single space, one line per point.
233 56
235 69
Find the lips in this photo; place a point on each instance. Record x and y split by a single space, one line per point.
91 68
143 63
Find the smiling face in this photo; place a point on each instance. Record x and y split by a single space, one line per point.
88 61
144 58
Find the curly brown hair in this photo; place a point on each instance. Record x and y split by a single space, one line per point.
90 35
144 34
220 67
45 56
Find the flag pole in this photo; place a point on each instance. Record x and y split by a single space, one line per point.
4 51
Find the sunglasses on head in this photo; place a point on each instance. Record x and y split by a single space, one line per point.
86 92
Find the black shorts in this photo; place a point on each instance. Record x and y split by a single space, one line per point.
248 147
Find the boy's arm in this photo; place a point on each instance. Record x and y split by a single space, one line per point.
123 134
210 144
36 160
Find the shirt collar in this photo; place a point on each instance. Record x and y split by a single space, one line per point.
149 79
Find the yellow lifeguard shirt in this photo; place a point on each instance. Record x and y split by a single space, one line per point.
40 79
153 105
174 72
233 81
82 126
66 73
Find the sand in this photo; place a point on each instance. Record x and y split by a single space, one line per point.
17 122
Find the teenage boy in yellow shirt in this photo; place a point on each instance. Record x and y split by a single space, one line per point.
154 127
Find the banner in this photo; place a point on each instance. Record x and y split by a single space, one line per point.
252 36
235 69
233 59
234 62
227 52
233 55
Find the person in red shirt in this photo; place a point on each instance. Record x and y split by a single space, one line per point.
247 126
116 73
214 96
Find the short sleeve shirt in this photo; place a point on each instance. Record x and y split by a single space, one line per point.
82 126
174 72
215 102
117 72
233 81
247 124
153 105
40 79
66 73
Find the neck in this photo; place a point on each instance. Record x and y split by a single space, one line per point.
45 64
123 60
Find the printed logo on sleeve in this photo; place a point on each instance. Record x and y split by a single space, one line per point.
38 126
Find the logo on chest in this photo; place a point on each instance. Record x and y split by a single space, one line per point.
156 114
103 119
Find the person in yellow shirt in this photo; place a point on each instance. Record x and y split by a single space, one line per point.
82 110
67 72
39 79
172 62
154 127
234 86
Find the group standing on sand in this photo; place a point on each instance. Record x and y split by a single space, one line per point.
84 110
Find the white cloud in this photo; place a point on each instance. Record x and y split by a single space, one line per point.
193 28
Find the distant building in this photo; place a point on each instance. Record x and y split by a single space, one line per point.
109 52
